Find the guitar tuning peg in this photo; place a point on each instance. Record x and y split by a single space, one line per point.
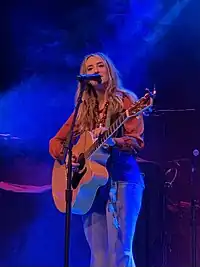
152 94
154 91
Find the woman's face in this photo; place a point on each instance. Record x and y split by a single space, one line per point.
96 65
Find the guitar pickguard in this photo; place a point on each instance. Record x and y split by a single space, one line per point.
77 176
100 156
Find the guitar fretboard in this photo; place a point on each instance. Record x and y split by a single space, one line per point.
111 130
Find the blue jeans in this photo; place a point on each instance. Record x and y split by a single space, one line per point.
111 246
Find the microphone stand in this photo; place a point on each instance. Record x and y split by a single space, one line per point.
161 112
68 191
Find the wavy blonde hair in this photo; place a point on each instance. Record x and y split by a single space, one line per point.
114 92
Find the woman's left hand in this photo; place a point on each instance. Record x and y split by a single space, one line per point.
96 132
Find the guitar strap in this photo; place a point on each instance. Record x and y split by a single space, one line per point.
108 117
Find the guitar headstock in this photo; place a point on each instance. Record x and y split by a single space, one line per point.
143 104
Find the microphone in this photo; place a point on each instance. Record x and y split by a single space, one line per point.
89 77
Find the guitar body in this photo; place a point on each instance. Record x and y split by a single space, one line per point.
93 176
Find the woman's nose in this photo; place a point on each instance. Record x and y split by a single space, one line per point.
96 70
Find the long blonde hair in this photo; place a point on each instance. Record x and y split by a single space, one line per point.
87 114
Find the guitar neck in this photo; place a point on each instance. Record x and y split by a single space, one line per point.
138 107
107 134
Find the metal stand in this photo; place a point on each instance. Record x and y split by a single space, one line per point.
193 210
164 229
68 192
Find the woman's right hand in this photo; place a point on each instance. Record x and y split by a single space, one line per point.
75 164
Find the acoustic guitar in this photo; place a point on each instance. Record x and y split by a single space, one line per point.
92 156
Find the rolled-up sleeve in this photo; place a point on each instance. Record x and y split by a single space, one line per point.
56 144
132 139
